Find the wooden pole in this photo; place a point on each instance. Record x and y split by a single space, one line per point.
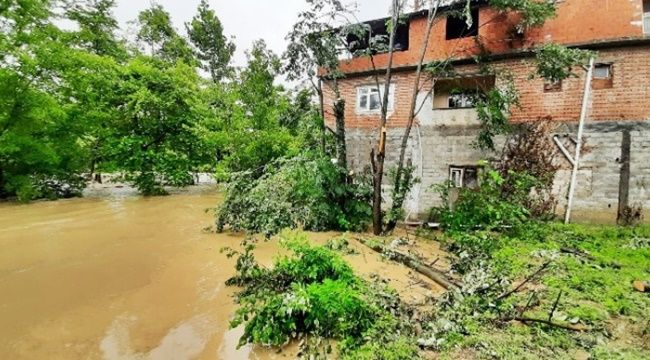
576 159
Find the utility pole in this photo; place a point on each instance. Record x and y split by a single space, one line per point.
581 126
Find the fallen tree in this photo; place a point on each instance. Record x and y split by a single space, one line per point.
435 275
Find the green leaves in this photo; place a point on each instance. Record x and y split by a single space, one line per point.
556 62
212 48
306 191
533 12
314 294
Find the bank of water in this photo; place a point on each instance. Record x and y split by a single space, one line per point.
117 276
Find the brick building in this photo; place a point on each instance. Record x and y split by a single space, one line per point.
618 125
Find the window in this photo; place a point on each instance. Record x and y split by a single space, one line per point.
461 100
369 98
646 17
603 77
463 176
462 91
602 71
457 26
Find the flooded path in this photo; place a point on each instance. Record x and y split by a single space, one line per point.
124 277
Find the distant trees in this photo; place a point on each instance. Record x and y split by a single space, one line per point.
84 101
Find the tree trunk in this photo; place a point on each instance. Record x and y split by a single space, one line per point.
378 160
341 148
412 113
321 102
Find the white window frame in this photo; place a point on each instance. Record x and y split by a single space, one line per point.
456 176
367 91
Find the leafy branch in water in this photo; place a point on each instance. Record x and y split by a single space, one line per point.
313 294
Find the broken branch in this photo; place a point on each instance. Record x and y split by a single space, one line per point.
527 320
435 275
528 279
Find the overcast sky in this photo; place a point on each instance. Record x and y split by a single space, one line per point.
246 20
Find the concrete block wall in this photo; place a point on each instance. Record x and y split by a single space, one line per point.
433 149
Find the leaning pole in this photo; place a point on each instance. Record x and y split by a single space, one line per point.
581 126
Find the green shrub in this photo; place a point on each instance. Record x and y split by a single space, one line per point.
497 203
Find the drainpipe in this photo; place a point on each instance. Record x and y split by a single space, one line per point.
576 159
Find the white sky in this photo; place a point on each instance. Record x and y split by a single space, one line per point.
246 20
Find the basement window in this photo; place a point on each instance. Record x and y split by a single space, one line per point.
646 17
369 98
457 25
463 177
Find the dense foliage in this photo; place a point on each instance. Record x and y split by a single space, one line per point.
314 294
306 191
82 101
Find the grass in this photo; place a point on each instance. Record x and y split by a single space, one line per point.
593 267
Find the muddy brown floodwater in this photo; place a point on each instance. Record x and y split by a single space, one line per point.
126 277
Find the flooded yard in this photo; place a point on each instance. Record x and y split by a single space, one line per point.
118 276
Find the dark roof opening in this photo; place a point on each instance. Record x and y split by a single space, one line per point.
457 25
378 31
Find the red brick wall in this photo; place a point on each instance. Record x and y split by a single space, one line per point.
578 21
628 99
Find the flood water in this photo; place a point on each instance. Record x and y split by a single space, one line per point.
125 277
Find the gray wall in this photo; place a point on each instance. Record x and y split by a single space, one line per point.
434 148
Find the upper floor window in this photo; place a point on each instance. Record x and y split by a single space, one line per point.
373 37
461 92
646 17
369 98
457 25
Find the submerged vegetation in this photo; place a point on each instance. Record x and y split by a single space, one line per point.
314 295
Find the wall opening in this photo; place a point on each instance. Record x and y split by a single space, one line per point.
603 76
462 92
457 25
553 86
375 33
